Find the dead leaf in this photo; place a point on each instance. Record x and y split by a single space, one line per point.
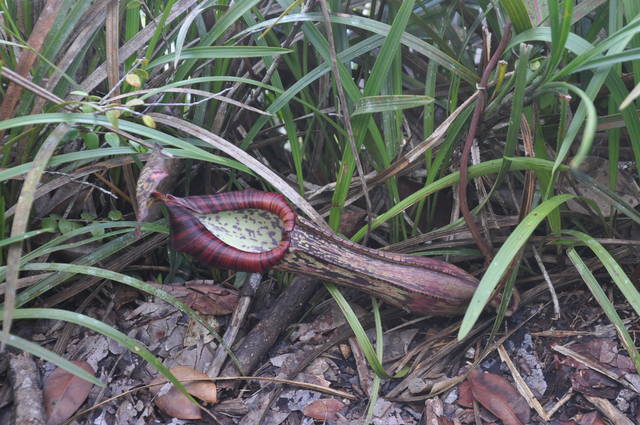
351 220
590 382
591 418
499 397
64 393
176 404
465 398
323 409
158 174
205 299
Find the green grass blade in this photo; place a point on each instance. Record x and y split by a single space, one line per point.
618 275
588 132
502 260
372 104
219 52
376 27
517 11
51 357
24 236
606 305
560 28
88 322
232 15
361 336
482 169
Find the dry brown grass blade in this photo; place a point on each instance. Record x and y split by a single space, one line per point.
28 57
238 154
21 220
135 44
91 22
415 154
112 26
206 96
25 83
521 385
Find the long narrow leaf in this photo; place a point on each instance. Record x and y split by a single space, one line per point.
607 306
618 275
88 322
51 357
502 260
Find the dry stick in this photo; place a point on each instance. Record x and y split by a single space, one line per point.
239 313
473 128
258 415
23 82
345 112
289 306
547 279
27 394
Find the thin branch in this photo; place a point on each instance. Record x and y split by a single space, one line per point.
473 128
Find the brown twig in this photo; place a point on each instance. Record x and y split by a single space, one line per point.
27 393
473 129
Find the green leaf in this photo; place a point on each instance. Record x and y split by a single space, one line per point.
115 215
371 104
67 226
502 260
517 11
220 52
607 306
113 116
51 357
91 140
112 139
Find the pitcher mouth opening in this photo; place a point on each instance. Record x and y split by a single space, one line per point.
244 230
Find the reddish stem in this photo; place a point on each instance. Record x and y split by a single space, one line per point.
483 244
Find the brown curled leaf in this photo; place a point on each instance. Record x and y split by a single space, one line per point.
323 409
499 397
176 404
64 393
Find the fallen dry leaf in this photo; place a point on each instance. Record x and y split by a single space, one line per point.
176 404
323 409
465 397
499 397
205 299
64 393
591 418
